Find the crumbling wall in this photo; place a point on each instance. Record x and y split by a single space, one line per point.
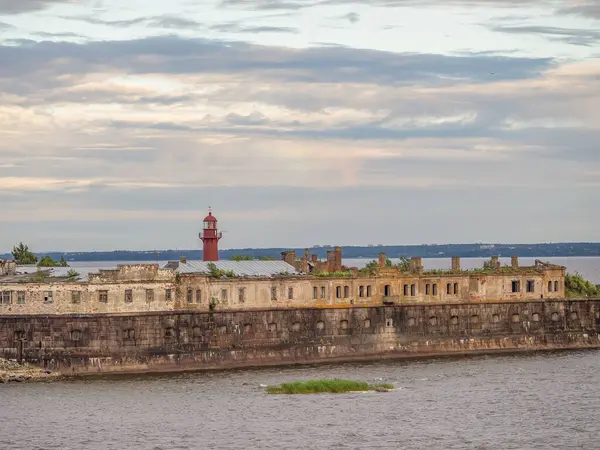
7 267
165 291
132 272
82 298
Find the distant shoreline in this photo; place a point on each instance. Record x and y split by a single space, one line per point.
566 249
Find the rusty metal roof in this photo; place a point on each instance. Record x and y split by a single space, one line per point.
239 268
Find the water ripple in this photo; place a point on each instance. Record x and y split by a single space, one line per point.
544 401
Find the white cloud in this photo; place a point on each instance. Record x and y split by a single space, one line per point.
146 133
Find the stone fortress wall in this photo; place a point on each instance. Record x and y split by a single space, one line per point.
146 318
191 340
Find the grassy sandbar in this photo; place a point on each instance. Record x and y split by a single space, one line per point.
334 386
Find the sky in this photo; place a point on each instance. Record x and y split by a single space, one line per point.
300 122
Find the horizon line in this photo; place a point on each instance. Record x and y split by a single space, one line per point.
318 247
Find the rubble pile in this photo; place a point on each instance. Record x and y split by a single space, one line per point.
12 371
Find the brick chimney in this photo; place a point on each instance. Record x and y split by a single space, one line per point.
304 264
455 264
289 257
183 259
514 261
416 264
338 259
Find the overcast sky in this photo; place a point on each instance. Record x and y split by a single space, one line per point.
300 122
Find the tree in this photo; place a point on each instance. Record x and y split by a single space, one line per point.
242 258
47 261
22 255
577 286
72 274
403 264
218 273
371 267
488 265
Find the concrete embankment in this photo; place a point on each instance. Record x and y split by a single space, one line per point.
12 371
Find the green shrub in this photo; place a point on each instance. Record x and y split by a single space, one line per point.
340 274
218 273
577 286
72 273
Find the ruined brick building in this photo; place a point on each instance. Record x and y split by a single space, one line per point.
216 313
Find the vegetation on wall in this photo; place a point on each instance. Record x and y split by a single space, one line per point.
577 286
489 265
252 258
219 273
22 255
371 268
178 285
339 274
41 276
72 274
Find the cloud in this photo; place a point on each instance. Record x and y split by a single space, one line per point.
587 8
66 34
173 55
22 6
146 133
168 21
569 35
351 17
300 4
238 28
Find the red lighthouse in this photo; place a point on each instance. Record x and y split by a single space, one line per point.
210 238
